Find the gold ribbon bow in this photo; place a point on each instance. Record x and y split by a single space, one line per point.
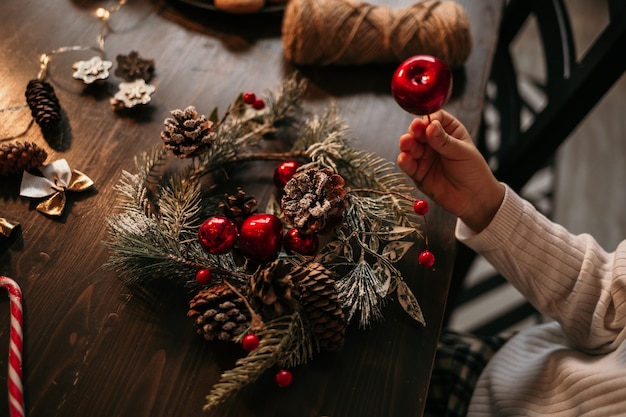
57 178
7 227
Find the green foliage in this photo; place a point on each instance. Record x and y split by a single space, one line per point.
153 233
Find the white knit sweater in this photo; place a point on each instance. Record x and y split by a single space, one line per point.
575 366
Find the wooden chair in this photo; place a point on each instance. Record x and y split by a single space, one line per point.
571 88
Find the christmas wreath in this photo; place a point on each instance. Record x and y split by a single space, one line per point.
284 296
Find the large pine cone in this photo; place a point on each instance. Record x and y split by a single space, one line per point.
218 313
44 104
314 200
238 207
17 157
320 301
187 134
274 289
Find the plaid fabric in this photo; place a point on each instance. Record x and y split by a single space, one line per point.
459 361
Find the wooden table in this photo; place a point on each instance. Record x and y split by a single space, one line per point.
91 347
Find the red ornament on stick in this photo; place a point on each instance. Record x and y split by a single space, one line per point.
422 84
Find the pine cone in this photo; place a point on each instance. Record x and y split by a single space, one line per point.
320 300
17 157
273 289
186 134
314 200
132 67
218 313
44 104
238 207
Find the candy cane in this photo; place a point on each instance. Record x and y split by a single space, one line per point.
16 391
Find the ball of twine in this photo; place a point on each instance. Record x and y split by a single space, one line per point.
342 32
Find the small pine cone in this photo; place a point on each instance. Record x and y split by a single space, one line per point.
320 300
17 157
238 207
44 104
218 313
314 200
187 134
273 289
132 67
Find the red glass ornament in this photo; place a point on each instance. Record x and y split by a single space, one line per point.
284 172
304 244
426 258
249 97
420 207
422 84
217 235
260 237
250 342
284 378
203 276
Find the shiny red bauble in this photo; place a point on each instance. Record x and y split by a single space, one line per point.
217 235
284 172
284 378
260 237
250 342
304 244
422 84
426 258
420 207
203 276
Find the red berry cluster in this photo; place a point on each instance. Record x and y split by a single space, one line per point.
251 342
426 258
251 99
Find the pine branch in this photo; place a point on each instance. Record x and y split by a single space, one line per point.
180 207
241 134
142 251
283 341
361 290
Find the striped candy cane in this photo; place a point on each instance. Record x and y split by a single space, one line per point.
16 390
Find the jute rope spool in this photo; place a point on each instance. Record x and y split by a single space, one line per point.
343 32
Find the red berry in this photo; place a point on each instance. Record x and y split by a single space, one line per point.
420 207
260 237
203 276
249 98
250 342
422 84
284 378
304 244
258 104
426 258
217 235
284 172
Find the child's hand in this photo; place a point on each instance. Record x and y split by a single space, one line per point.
445 164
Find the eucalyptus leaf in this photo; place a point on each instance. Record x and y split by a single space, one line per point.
409 303
395 250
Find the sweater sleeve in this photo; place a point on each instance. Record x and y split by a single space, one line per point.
567 277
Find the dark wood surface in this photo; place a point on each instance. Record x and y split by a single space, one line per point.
92 348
